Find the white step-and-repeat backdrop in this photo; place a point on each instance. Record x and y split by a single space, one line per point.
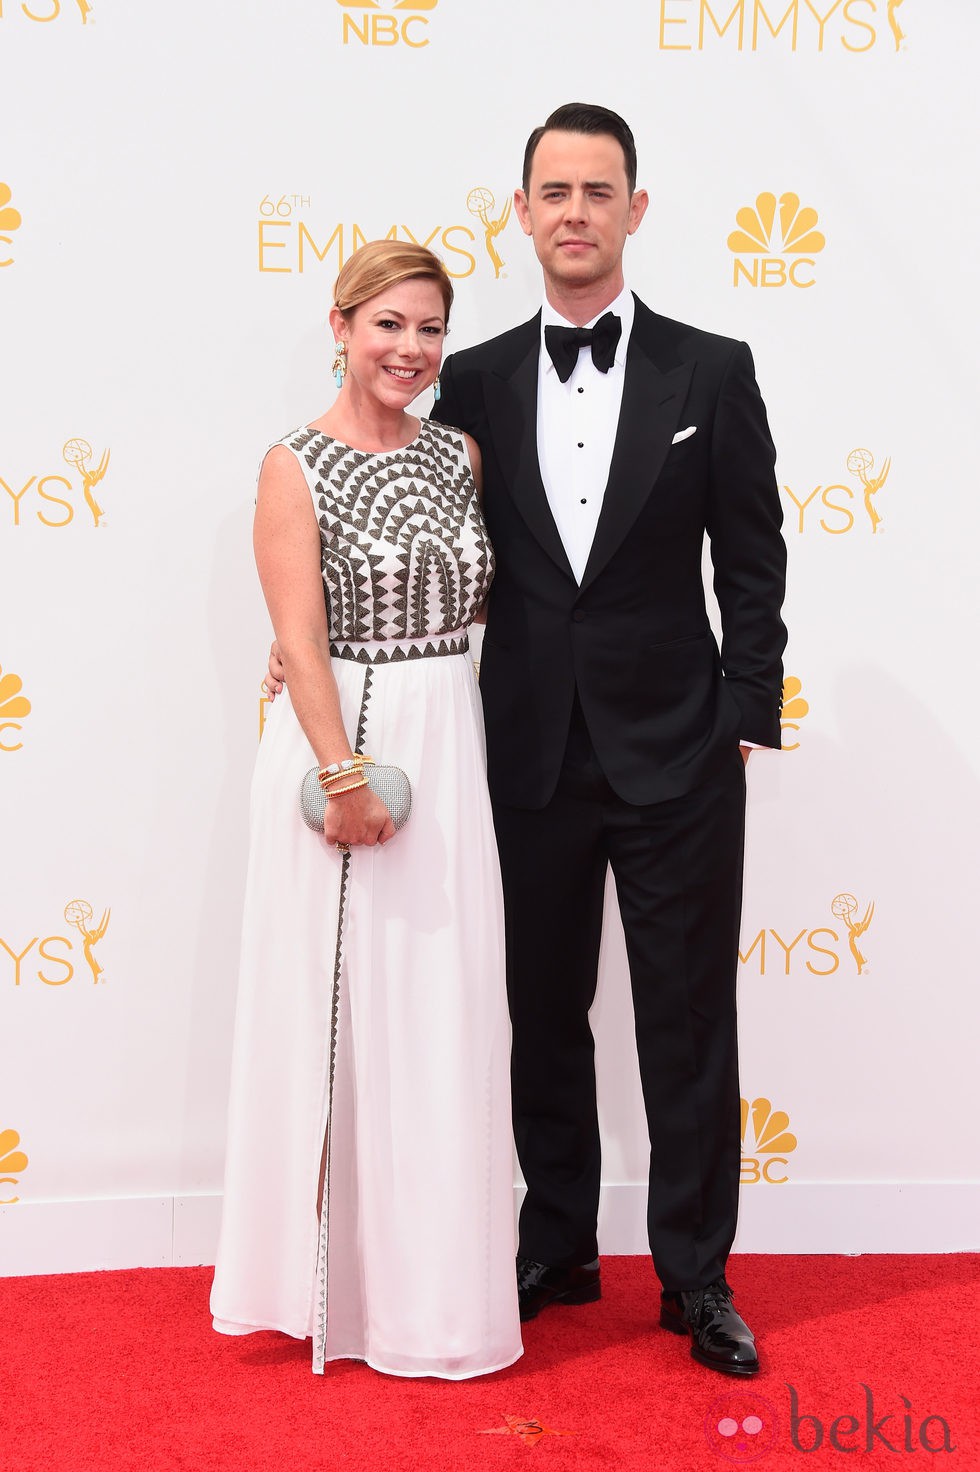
179 185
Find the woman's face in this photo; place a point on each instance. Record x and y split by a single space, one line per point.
394 341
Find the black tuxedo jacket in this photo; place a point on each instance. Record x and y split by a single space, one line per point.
662 704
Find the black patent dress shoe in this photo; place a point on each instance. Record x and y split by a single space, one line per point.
539 1286
720 1338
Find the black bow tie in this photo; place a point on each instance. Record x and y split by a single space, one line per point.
563 344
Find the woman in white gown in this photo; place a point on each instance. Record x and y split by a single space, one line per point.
369 1189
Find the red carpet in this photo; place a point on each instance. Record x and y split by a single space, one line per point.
123 1371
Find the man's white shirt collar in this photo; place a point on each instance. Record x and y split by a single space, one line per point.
624 307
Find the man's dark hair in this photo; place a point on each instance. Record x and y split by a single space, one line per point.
585 117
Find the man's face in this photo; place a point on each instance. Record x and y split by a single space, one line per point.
578 210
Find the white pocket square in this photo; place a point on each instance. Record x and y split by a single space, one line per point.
684 434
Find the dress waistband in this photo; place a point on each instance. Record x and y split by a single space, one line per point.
394 651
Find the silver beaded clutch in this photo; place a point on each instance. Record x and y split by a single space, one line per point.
390 784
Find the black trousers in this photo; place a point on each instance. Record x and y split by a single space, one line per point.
678 872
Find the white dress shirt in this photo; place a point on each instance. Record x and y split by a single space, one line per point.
577 423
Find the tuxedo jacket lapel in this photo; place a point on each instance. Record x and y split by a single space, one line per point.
512 406
651 407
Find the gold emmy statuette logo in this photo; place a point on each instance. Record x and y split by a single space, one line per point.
78 453
11 1159
385 22
754 238
794 708
10 219
845 907
13 708
893 21
861 463
480 202
79 913
264 703
773 1142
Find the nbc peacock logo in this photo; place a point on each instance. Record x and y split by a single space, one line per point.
10 220
766 256
13 708
794 708
764 1153
13 1163
386 22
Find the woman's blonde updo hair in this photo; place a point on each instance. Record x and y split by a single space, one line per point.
383 263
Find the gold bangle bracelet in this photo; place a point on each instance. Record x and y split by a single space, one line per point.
355 764
348 776
328 779
339 791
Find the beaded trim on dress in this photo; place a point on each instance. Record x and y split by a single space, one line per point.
323 1248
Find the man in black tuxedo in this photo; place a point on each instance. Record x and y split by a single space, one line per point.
614 724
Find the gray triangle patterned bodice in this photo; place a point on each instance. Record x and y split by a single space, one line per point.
404 550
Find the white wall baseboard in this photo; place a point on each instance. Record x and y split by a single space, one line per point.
167 1231
822 1217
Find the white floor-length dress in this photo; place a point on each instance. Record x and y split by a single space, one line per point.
372 1029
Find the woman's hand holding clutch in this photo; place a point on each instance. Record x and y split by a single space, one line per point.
357 818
